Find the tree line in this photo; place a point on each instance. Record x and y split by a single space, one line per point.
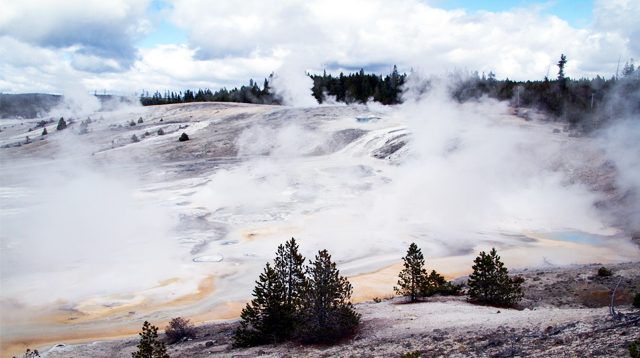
358 87
583 103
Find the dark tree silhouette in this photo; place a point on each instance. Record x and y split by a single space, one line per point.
179 329
413 277
490 282
289 266
150 346
62 124
266 318
327 313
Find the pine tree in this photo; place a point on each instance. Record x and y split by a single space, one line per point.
62 124
413 277
327 314
289 267
265 319
490 282
150 346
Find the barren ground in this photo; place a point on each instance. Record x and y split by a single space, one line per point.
564 314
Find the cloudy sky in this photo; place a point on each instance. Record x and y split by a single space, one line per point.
125 46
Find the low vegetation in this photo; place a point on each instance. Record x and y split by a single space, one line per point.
604 272
29 354
634 349
179 329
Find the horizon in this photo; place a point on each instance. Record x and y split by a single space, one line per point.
125 47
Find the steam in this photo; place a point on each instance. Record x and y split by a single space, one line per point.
292 84
620 143
470 175
78 226
455 178
76 102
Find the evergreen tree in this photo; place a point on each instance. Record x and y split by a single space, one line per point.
562 80
437 284
413 277
150 346
490 282
62 124
327 314
266 318
44 131
289 266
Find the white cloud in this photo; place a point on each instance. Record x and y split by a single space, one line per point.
91 28
230 42
520 44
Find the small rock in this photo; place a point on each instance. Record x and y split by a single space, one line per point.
209 344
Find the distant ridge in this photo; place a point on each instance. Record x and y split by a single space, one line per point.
27 105
35 105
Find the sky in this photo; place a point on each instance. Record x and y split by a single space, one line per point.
127 46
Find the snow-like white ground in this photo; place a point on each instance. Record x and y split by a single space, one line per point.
101 232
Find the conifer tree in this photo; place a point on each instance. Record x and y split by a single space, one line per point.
62 124
266 318
413 277
289 267
327 313
490 282
150 346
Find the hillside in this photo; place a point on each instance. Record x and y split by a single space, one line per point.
113 221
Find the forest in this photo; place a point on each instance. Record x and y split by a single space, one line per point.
583 103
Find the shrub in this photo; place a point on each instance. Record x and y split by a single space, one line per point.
634 349
636 300
150 346
179 329
604 272
183 137
135 139
140 120
44 132
490 282
413 354
30 353
160 131
132 123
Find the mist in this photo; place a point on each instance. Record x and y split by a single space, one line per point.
99 220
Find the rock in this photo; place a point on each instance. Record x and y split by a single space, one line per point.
184 137
209 344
